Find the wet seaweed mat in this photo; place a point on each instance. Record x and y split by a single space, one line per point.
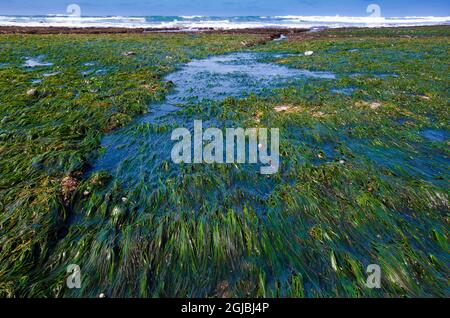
86 177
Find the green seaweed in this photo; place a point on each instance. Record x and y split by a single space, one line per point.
339 203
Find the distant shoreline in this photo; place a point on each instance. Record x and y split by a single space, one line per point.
200 23
118 30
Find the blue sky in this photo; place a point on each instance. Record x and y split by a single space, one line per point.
227 7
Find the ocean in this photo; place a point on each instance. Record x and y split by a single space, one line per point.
201 22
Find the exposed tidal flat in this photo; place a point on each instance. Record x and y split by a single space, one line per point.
86 176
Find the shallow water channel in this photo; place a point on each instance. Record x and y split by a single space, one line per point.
135 153
140 153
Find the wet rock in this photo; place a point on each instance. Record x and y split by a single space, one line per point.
287 109
257 116
375 105
100 179
150 88
118 214
282 108
318 114
281 38
117 120
32 92
129 53
117 211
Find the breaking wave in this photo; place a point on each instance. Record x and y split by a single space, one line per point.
202 22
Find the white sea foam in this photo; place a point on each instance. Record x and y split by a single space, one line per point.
200 22
192 16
